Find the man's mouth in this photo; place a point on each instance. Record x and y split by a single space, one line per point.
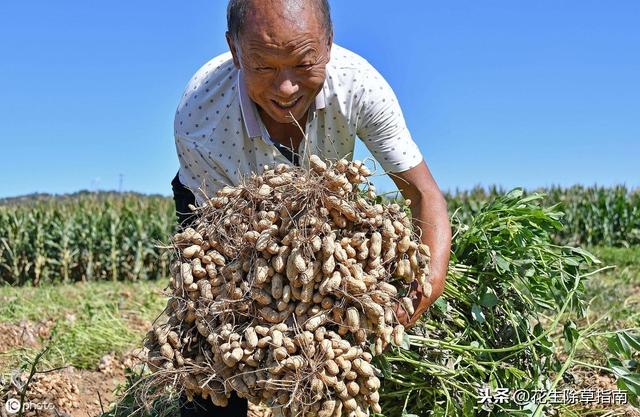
286 104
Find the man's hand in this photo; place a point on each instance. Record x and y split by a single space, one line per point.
429 212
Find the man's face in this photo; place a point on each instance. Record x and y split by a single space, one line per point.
283 50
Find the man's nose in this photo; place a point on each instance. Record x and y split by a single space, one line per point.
286 84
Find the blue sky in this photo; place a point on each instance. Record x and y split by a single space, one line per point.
494 92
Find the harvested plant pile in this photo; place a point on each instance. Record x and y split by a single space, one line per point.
284 290
509 290
48 394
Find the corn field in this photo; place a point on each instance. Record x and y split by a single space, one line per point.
84 238
593 216
93 237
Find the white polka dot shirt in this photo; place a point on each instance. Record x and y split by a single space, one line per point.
220 137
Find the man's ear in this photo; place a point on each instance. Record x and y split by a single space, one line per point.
233 48
330 44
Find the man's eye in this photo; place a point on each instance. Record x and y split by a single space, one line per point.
263 69
304 66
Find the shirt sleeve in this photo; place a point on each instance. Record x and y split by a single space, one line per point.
382 127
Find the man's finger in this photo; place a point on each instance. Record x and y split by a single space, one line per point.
402 316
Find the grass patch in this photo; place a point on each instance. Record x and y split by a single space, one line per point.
55 301
621 257
86 321
616 293
614 305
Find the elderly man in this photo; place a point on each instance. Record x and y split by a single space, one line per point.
236 116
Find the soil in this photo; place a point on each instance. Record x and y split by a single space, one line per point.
67 392
23 334
591 380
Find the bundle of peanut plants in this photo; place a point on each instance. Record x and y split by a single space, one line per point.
284 290
508 290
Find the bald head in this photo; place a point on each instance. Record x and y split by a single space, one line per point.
239 10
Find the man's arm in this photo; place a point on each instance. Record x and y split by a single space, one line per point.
383 129
429 212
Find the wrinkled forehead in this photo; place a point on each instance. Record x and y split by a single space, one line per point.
280 23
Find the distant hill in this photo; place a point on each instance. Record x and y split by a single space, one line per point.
33 198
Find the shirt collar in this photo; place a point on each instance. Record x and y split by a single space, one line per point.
250 113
